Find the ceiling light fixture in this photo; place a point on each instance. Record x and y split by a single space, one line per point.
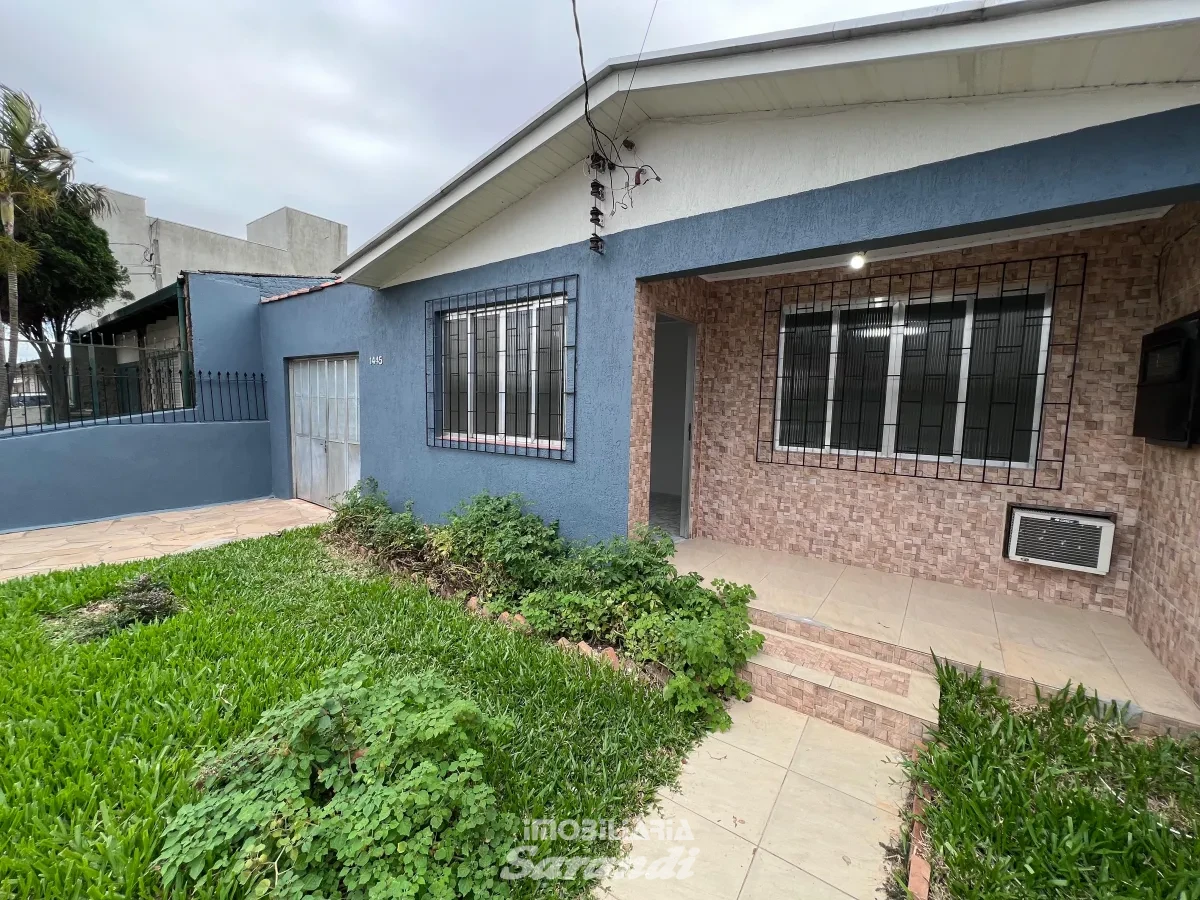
857 261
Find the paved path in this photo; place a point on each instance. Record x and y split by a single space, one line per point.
154 534
780 807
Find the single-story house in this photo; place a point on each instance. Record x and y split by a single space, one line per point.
1019 180
850 291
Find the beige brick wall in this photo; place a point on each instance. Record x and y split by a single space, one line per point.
1164 600
940 529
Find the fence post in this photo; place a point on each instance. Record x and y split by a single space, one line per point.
92 379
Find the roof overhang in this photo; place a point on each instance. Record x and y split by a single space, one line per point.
938 52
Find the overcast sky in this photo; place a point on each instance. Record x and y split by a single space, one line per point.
221 111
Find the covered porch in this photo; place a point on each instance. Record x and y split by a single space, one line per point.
855 643
851 439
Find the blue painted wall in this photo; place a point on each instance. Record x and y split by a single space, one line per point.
224 317
100 471
1126 165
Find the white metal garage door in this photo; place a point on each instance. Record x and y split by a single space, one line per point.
325 448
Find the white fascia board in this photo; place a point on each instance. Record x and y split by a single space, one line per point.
1095 20
542 131
957 27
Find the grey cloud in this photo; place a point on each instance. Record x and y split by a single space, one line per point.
219 112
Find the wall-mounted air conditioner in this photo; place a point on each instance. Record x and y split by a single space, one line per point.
1061 538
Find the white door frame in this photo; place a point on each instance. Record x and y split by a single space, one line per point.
689 405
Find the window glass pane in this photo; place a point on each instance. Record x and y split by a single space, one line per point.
517 361
804 379
860 381
1006 338
487 372
454 375
552 322
930 372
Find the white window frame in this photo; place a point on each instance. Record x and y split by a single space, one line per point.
892 377
503 309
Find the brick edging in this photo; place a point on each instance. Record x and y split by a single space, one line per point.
919 871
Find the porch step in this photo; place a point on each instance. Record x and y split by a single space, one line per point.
898 721
830 660
823 659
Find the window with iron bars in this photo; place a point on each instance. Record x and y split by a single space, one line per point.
960 373
501 370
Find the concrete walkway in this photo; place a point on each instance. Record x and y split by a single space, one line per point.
780 807
154 534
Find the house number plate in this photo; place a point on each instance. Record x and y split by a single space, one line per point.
375 360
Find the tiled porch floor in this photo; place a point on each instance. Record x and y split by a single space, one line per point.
1025 638
782 806
145 536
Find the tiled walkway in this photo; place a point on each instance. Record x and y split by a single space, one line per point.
1025 638
780 807
155 534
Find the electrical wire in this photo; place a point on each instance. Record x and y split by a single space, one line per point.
609 157
637 62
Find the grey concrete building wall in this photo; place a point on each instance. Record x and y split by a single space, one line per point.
314 244
156 250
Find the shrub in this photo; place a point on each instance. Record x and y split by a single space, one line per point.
363 514
623 592
511 549
703 641
363 788
357 510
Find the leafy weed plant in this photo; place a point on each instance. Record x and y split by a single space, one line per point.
361 788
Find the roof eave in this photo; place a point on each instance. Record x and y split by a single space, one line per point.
924 18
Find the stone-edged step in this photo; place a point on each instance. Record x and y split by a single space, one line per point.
899 722
823 658
921 664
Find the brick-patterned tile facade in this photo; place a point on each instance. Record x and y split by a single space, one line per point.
944 530
1164 603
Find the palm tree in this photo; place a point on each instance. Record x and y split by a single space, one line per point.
36 173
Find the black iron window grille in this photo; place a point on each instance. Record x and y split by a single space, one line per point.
961 373
500 370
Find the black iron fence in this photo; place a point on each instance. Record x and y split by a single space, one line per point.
73 394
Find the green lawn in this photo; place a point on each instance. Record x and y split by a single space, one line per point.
1052 801
99 740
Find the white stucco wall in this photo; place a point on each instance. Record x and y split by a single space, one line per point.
718 162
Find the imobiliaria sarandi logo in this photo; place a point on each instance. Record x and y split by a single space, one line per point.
675 863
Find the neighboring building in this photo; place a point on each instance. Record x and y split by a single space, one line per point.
1020 179
155 251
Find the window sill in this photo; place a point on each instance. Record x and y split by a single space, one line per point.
927 459
484 440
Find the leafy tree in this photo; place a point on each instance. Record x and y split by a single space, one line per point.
75 272
36 172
